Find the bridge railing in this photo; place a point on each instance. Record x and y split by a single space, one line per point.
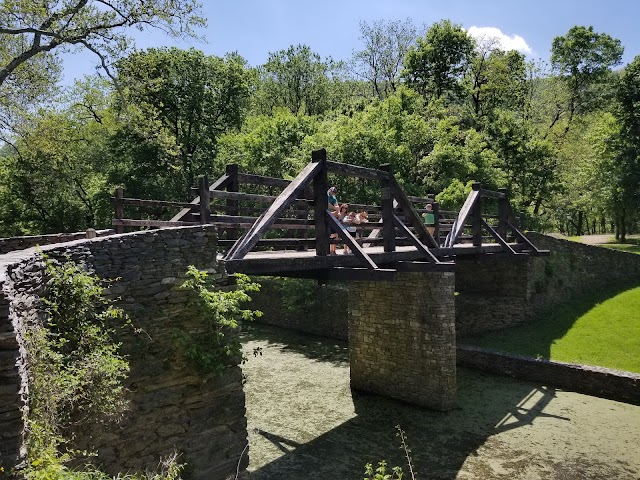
301 220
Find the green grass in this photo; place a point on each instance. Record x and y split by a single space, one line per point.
600 330
632 245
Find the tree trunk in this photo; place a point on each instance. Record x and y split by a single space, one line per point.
580 222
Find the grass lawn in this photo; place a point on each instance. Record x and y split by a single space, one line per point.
601 330
632 245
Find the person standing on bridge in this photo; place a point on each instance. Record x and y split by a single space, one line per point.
332 199
429 219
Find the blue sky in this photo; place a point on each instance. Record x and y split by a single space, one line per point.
254 28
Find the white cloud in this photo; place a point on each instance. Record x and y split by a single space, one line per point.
503 41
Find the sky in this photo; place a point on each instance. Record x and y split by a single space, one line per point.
254 28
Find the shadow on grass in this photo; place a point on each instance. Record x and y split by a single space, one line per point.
313 347
535 339
440 442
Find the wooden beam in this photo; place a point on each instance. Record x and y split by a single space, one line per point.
118 195
321 202
415 241
355 171
219 184
411 214
492 194
458 225
415 266
476 224
275 210
388 228
127 222
263 180
205 200
498 238
155 203
521 236
346 237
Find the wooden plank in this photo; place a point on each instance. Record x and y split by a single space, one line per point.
411 214
498 238
355 171
275 210
219 184
346 237
127 222
415 241
458 225
263 180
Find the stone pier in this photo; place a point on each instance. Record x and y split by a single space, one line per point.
402 338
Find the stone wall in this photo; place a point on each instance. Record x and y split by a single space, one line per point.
596 381
574 269
172 406
498 291
491 292
303 305
12 244
402 338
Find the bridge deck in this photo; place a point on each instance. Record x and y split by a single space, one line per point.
278 262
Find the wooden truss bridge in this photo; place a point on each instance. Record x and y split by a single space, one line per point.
291 235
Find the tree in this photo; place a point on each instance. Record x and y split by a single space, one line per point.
584 58
297 79
435 64
32 28
180 103
626 168
34 32
385 46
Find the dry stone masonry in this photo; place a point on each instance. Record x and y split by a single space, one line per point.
402 339
173 406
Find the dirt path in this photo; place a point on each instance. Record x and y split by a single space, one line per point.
305 423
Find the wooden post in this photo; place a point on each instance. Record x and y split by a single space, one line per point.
232 205
503 212
321 203
388 228
119 214
477 217
436 219
205 199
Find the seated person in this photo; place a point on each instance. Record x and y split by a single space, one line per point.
339 213
350 222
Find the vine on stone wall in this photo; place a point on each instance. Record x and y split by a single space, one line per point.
75 369
218 346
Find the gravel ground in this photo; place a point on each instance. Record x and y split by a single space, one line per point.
305 423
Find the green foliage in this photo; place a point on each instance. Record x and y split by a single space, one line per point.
435 64
296 79
75 366
218 346
381 473
179 103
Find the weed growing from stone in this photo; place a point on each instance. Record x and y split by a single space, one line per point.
218 346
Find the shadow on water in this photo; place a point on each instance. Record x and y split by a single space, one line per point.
441 442
313 347
536 338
